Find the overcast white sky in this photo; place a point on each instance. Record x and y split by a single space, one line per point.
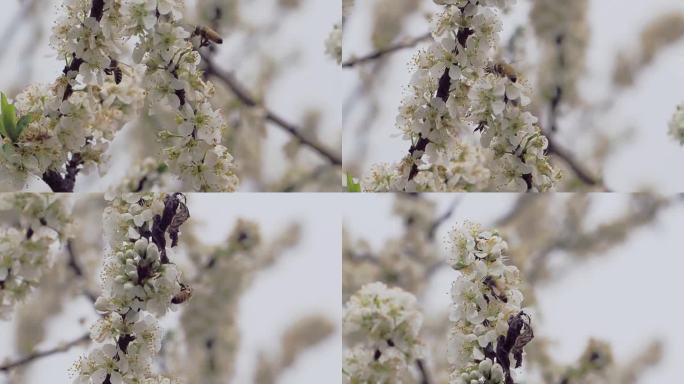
307 280
628 296
647 160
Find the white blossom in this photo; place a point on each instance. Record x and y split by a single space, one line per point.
27 249
139 284
486 301
457 88
389 322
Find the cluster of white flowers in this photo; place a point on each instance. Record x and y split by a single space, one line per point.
74 120
456 88
333 44
174 82
389 322
76 117
139 281
562 26
677 124
211 317
148 175
28 246
220 14
488 324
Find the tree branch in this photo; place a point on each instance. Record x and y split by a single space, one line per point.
410 43
581 173
445 216
66 182
48 352
241 93
424 376
75 266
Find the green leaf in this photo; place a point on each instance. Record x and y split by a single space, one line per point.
3 132
23 122
351 185
9 116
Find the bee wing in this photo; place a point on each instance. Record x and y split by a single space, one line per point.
182 214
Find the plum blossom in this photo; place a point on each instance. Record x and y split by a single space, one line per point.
459 88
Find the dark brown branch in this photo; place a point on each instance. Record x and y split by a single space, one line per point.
445 216
582 174
66 182
424 375
75 266
245 97
37 355
410 43
443 88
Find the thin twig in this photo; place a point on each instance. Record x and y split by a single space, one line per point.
75 266
386 51
445 216
48 352
424 376
581 173
244 96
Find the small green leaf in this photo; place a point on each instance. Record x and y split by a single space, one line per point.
9 115
3 132
351 185
23 122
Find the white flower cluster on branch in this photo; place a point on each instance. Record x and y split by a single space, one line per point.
563 29
169 52
73 121
388 321
488 324
27 248
139 284
457 88
209 323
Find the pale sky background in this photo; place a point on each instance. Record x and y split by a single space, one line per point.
647 160
306 280
627 296
312 81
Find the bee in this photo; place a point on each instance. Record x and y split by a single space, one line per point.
504 69
526 335
34 136
208 35
182 296
115 70
493 286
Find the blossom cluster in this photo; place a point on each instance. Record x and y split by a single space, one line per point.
405 261
211 317
75 118
173 80
220 14
389 322
139 284
149 173
28 247
562 26
677 124
487 322
101 89
457 88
